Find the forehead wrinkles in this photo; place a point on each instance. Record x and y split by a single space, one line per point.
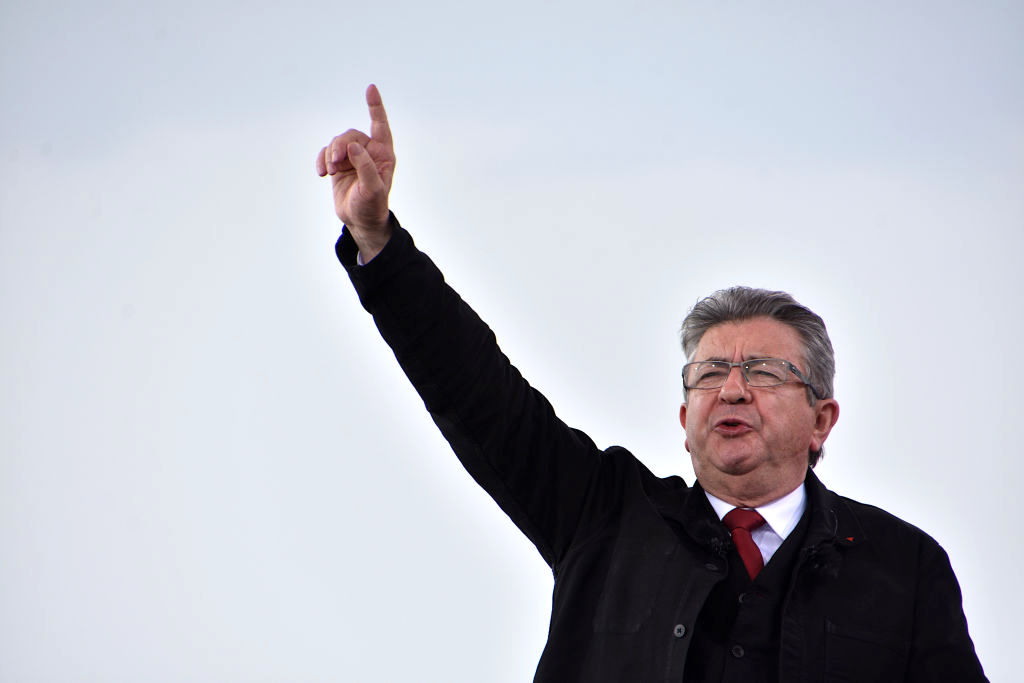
753 338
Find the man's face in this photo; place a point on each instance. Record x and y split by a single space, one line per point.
749 444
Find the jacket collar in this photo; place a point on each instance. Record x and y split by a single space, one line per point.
832 522
690 510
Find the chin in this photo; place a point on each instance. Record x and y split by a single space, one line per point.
738 462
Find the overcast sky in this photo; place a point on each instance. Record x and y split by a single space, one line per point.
211 468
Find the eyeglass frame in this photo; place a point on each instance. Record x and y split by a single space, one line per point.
746 378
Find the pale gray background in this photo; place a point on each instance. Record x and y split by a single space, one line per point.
211 468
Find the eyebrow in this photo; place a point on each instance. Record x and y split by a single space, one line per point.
749 356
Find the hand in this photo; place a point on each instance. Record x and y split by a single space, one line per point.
361 170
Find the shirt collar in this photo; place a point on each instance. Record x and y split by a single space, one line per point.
782 514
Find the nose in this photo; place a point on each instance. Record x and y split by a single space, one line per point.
735 389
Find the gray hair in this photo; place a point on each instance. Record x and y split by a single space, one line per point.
742 303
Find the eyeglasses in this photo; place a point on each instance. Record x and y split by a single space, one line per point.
758 372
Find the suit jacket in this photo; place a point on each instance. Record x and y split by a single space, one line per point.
634 556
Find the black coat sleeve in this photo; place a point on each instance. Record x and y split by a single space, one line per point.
505 433
941 649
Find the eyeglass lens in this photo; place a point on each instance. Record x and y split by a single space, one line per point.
765 372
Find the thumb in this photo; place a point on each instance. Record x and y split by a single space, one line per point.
366 169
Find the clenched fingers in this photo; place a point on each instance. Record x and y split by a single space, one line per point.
369 178
334 157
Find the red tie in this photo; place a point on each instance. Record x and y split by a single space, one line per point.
741 522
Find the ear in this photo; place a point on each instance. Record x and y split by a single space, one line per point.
682 421
826 413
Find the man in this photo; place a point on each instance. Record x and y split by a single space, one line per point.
755 573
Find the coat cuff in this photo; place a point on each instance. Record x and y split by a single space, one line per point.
388 263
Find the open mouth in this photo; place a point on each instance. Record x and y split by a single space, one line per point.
732 427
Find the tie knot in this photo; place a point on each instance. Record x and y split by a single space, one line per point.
738 518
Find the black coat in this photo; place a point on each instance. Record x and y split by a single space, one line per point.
635 556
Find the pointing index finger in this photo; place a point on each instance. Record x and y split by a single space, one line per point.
380 131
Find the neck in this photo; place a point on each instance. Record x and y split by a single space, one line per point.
742 492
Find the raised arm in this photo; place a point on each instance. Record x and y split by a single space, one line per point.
361 168
542 473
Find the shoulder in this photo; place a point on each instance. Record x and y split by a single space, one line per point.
628 471
875 527
624 488
874 517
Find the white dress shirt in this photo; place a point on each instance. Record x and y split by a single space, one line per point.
781 517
